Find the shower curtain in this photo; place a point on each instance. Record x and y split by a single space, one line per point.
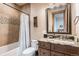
24 33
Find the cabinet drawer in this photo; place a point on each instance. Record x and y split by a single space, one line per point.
45 45
56 54
44 52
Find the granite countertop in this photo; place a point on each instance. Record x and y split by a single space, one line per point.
60 41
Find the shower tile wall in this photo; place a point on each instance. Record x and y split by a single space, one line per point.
9 25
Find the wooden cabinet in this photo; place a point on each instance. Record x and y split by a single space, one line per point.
45 45
43 52
66 49
52 46
50 49
44 49
73 50
53 53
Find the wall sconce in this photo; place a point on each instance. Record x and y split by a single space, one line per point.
35 21
76 20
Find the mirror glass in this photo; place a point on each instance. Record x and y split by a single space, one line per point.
58 23
59 19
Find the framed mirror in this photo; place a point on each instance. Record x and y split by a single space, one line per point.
59 19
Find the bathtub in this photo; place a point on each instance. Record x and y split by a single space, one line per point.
9 50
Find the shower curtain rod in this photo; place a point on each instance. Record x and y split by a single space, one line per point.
15 8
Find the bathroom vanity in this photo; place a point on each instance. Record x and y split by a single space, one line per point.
58 22
49 47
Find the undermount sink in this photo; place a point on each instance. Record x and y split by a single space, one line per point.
64 42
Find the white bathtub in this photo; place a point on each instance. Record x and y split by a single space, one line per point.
9 50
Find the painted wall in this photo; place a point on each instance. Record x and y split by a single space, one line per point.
39 10
75 12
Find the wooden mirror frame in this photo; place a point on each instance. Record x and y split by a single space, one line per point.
68 21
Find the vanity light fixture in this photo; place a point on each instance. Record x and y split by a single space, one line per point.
52 5
55 6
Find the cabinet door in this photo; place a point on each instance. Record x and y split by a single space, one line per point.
60 48
66 49
52 46
73 50
44 52
45 45
39 50
56 54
